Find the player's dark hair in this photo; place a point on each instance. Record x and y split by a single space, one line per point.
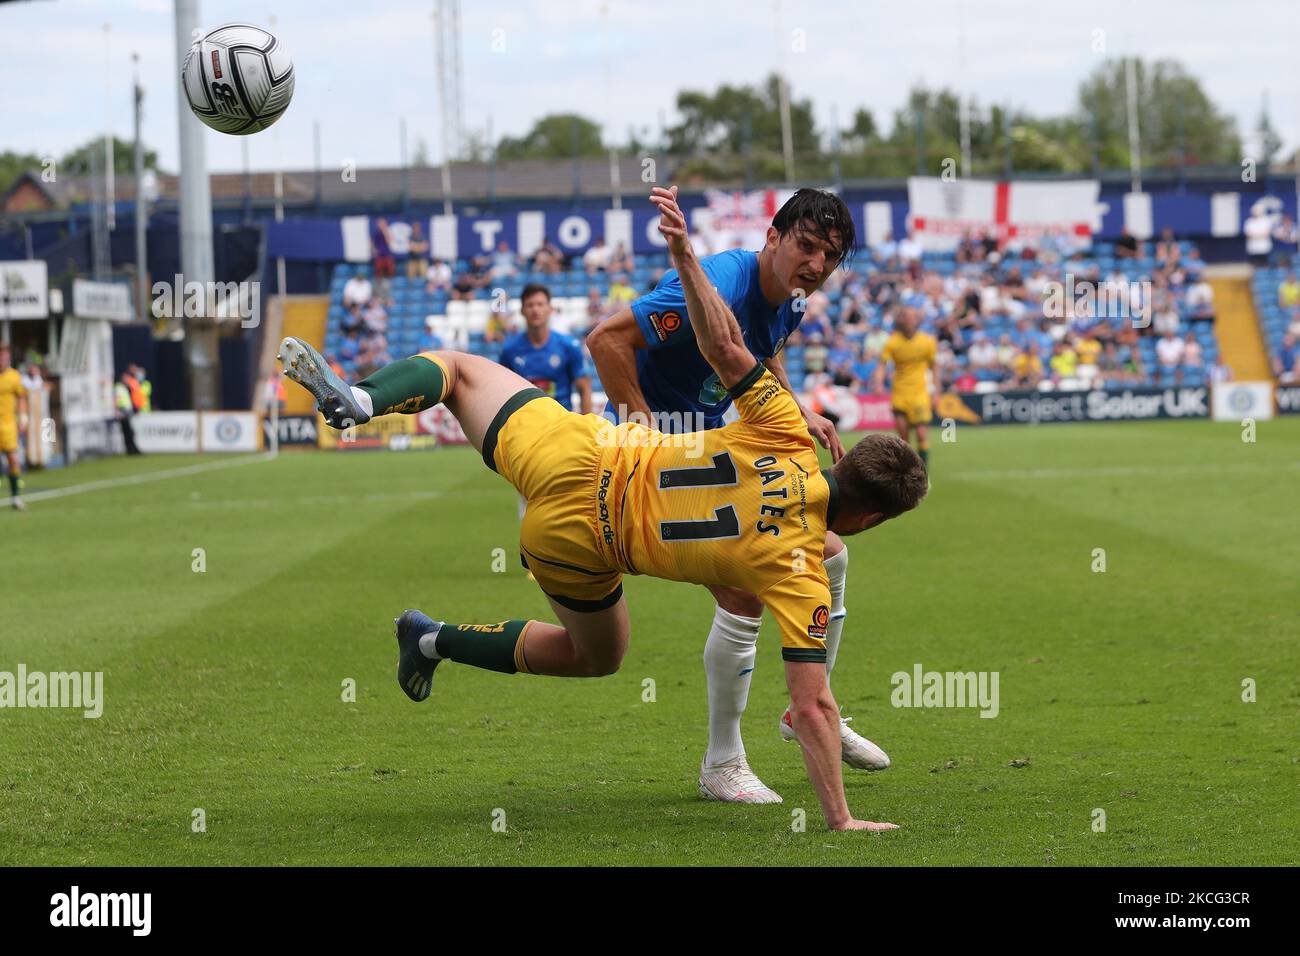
821 213
882 473
532 289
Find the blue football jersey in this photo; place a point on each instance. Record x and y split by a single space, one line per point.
672 373
553 366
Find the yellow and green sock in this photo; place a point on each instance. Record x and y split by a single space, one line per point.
494 647
408 385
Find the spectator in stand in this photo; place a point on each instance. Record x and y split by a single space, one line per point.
439 277
622 260
1193 354
597 257
840 354
815 353
620 293
381 252
472 279
357 291
1065 362
969 249
1284 365
417 262
1200 299
1258 230
965 382
886 249
983 354
1286 236
499 328
352 321
876 338
596 307
503 262
1026 369
350 347
1169 351
1110 368
1087 349
1288 292
430 341
548 259
1006 351
910 249
1167 249
1166 318
375 319
1193 264
1127 246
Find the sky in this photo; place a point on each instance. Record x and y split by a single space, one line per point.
363 67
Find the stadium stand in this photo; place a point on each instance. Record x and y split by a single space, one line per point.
1276 291
990 312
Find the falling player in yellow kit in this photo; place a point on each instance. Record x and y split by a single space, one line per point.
13 420
913 354
745 506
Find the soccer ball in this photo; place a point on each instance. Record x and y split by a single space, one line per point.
237 79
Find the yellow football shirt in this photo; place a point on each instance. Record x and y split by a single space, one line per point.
746 506
11 389
912 358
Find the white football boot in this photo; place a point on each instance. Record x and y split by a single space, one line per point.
856 750
734 782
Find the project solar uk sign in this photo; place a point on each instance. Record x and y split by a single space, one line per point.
1096 405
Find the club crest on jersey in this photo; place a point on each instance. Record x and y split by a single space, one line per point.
819 618
665 324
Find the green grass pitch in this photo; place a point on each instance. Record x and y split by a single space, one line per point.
1123 689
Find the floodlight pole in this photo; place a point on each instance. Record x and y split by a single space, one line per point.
1134 132
141 214
201 352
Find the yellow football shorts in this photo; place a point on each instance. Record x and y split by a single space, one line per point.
552 457
8 437
914 407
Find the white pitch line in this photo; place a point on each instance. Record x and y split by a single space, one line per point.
145 478
1118 471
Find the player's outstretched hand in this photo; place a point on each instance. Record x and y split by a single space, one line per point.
867 825
672 221
824 432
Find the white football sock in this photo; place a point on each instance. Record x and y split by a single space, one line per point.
363 399
837 569
428 643
729 656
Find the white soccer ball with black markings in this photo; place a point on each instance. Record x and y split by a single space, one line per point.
238 79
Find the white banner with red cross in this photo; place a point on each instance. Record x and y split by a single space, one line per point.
941 212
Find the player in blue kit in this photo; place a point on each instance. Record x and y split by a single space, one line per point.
550 360
650 365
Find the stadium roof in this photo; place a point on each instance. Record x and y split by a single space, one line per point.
517 179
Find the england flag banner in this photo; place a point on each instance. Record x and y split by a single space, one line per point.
942 212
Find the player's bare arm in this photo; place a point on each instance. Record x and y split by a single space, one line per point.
721 342
613 345
584 394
